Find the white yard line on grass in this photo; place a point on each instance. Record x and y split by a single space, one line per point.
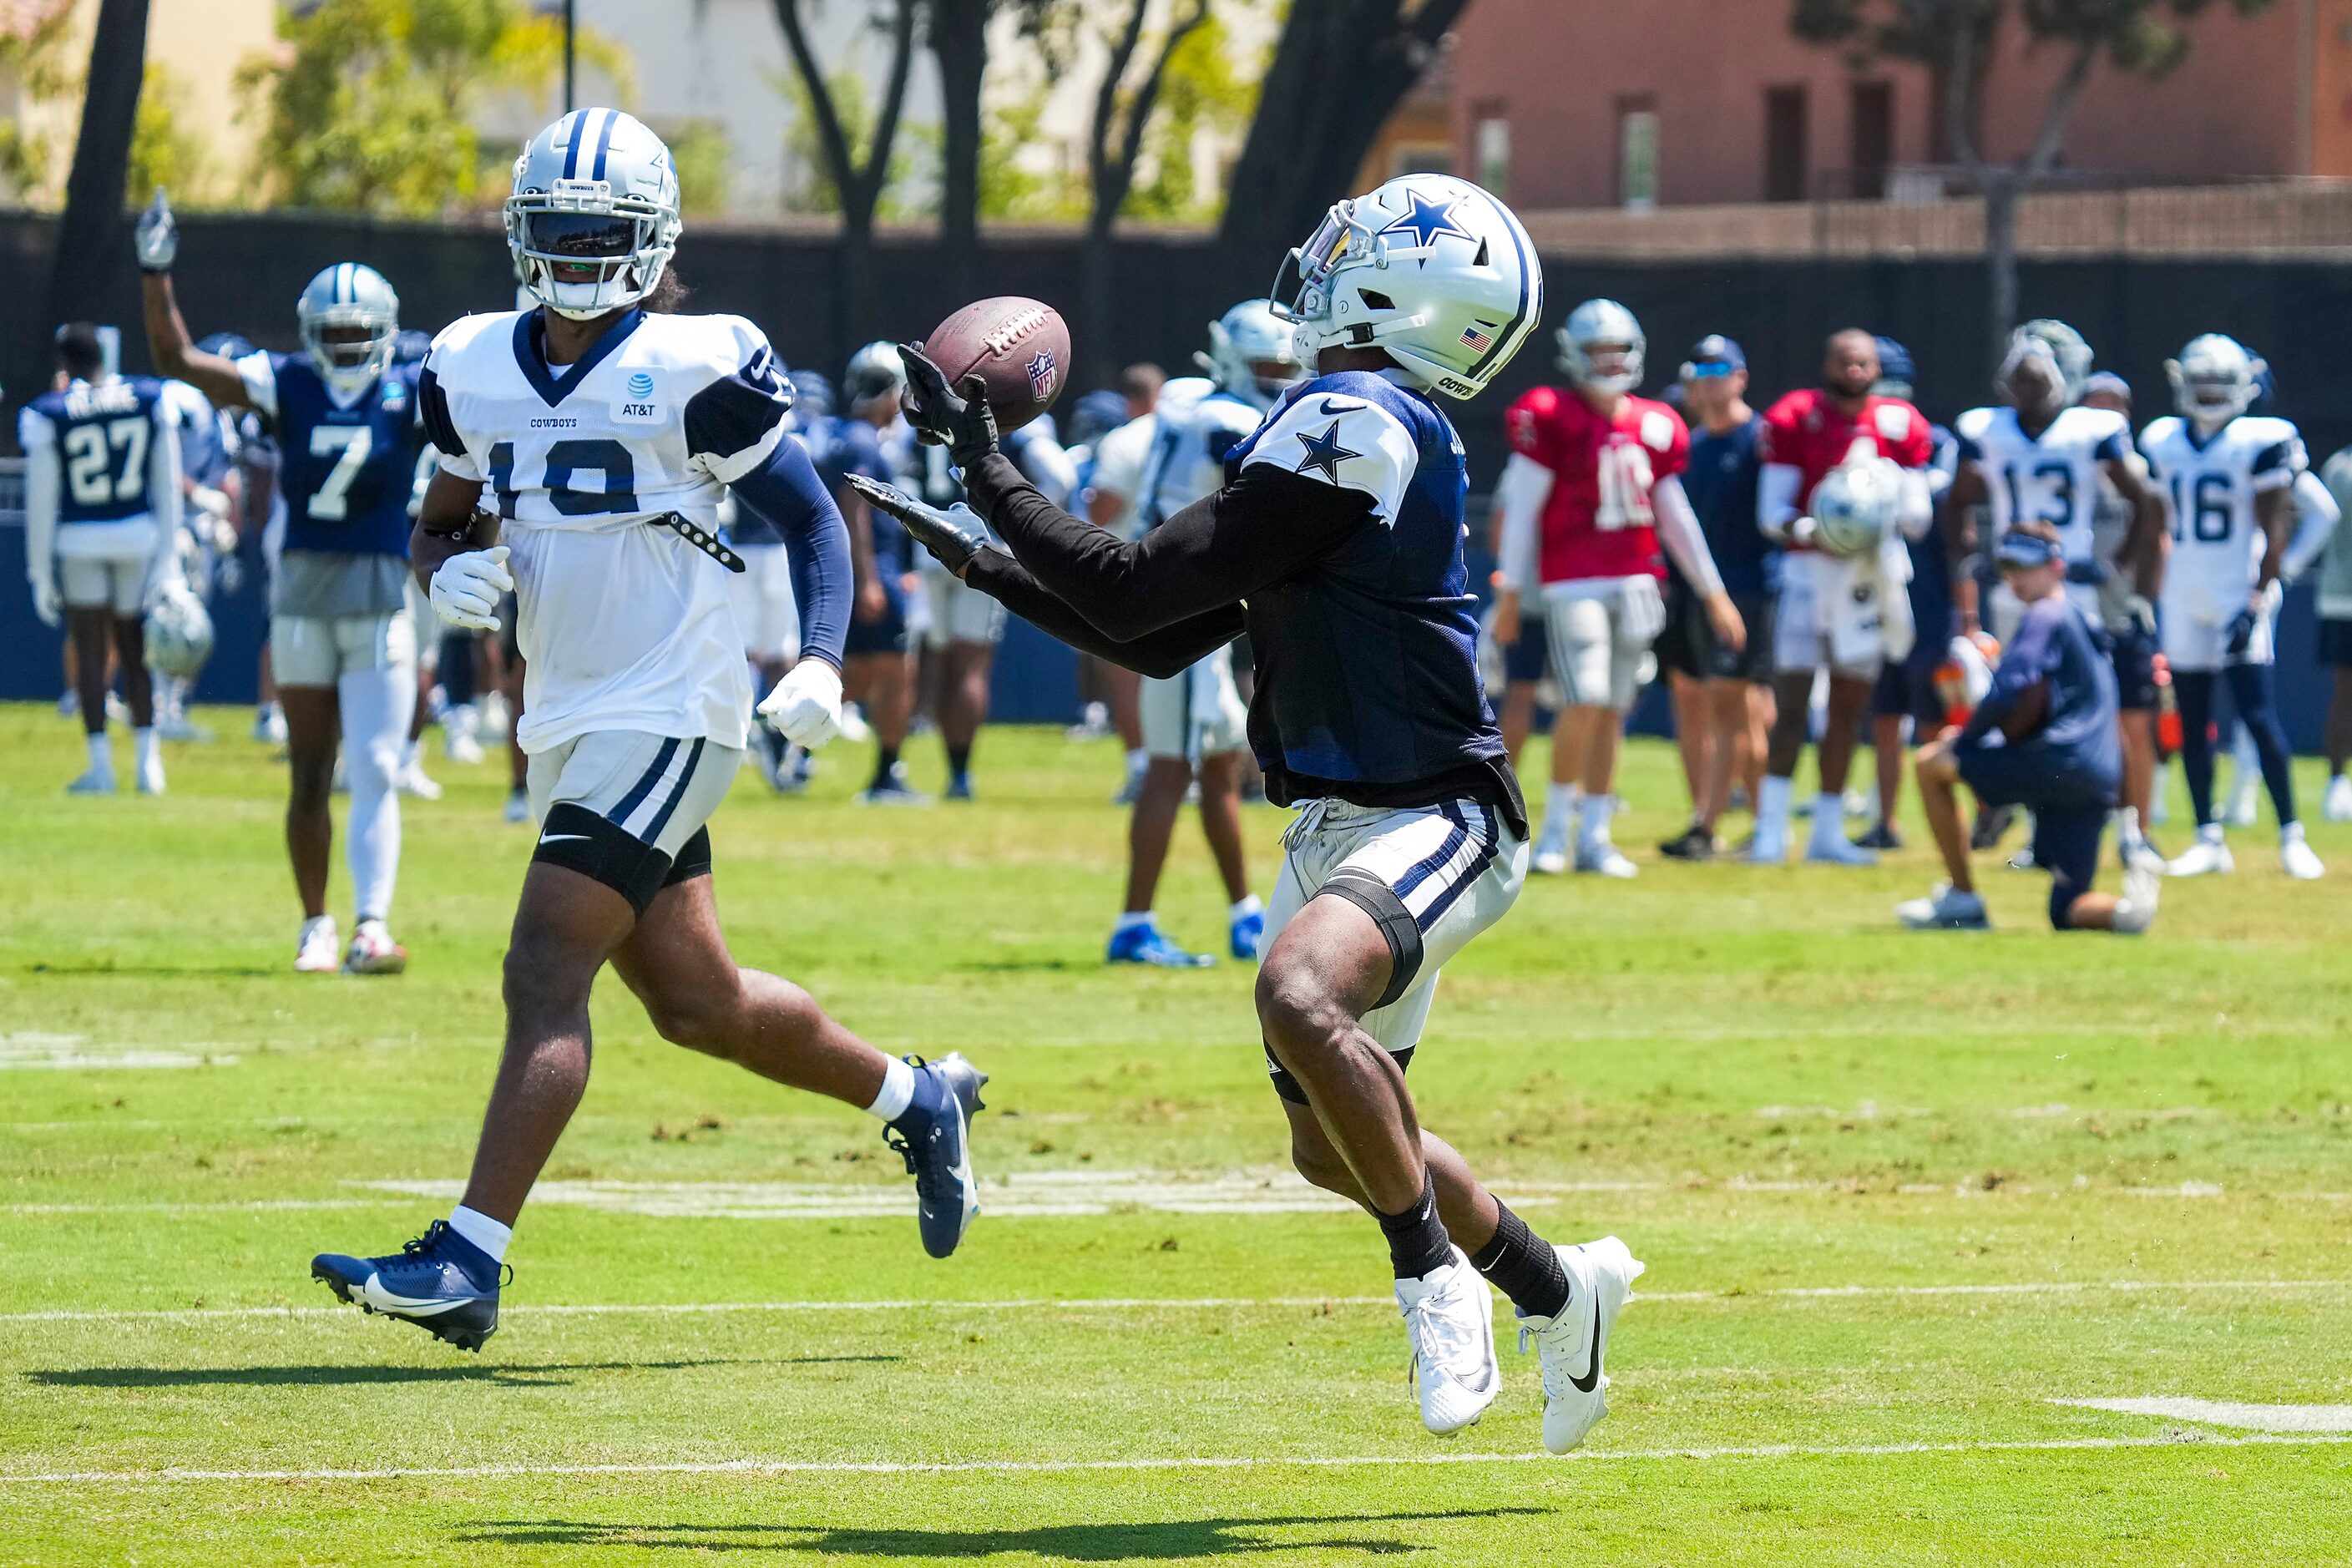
1205 1462
1201 1303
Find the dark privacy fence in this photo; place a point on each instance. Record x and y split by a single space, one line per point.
242 273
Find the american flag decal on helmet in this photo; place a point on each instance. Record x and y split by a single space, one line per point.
1041 375
1476 340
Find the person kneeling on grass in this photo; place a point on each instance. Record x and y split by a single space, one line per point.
2044 738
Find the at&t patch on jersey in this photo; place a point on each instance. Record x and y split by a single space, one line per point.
637 404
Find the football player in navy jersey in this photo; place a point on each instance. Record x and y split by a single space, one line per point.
102 521
343 644
1336 546
585 445
880 647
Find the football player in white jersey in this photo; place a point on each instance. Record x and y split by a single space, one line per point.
1193 723
2046 457
2231 477
585 447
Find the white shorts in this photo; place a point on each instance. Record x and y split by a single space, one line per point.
118 583
1800 635
319 650
629 809
1432 877
765 611
1601 634
960 611
2201 646
1197 714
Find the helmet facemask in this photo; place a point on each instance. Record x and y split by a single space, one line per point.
583 252
2214 381
350 345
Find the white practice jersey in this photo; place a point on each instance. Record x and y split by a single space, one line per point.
1187 452
2217 545
2052 478
625 625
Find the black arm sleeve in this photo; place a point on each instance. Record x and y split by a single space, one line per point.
1163 654
1264 526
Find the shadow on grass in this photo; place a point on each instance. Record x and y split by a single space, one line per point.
1137 1541
550 1375
108 969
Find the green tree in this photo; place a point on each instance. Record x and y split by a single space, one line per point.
1957 40
372 106
1207 87
699 151
166 148
36 54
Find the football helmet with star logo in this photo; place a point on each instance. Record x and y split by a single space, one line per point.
1601 346
1430 268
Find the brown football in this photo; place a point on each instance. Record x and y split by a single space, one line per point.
1020 347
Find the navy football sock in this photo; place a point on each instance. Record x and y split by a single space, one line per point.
1418 1244
885 759
2192 689
959 760
1524 1267
2251 689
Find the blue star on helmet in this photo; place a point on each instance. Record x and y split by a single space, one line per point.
1425 219
1324 452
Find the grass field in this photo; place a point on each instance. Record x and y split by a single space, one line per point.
1903 1198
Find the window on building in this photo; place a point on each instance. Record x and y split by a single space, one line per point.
1873 137
1784 144
1637 153
1491 148
1421 158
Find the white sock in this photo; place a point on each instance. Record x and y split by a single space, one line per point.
1597 809
101 759
1560 808
1828 816
1248 904
1133 920
2127 828
1137 760
2210 833
376 705
143 746
407 755
482 1231
2291 833
1772 807
898 1091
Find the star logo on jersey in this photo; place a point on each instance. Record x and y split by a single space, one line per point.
1324 453
1425 219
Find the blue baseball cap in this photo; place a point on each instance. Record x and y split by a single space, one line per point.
2021 551
1714 354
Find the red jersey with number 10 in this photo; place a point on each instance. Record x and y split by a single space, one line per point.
1808 432
1599 522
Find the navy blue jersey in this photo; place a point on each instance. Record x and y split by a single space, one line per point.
856 447
2076 747
1367 659
105 433
347 473
1720 481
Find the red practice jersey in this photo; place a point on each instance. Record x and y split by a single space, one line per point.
1808 432
1599 522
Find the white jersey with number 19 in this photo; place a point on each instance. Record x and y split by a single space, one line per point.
623 623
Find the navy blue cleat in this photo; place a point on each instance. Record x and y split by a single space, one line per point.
441 1282
934 1137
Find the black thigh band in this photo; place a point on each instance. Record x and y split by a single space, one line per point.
577 839
1380 900
1288 1087
693 859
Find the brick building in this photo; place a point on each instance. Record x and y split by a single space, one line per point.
1588 103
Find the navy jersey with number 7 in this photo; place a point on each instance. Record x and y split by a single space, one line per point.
346 468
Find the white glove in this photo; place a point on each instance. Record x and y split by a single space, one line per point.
156 239
1802 530
805 706
466 589
46 602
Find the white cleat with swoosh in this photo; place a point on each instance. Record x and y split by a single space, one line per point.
1571 1348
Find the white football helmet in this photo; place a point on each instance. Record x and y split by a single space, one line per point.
343 295
1428 268
2059 343
179 632
1248 335
593 220
1855 506
2213 381
1601 321
875 371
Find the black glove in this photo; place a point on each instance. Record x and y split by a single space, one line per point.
953 537
955 418
2240 634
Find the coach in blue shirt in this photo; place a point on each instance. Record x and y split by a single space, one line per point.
2045 738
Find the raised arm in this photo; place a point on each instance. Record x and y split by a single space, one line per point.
175 355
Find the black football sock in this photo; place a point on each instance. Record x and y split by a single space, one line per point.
885 759
959 760
1524 1267
1418 1244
